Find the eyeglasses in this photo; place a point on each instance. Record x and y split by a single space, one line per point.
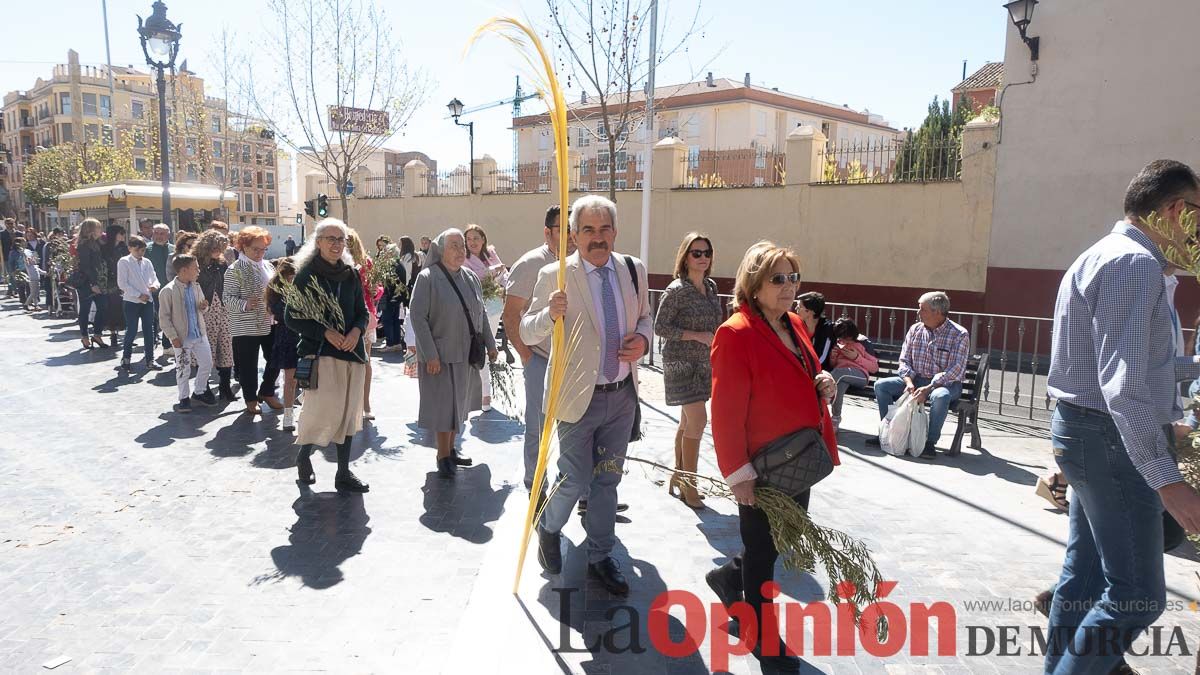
335 240
781 279
701 253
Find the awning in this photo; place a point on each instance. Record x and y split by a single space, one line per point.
147 195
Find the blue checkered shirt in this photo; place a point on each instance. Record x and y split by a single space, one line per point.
1114 349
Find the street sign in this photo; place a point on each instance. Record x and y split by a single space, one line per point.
359 120
349 187
299 218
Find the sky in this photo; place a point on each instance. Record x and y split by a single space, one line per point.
889 57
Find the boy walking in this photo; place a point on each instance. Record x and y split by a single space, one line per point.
180 304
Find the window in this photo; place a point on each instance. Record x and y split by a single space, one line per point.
139 164
246 155
139 138
760 158
219 173
583 168
64 103
641 161
66 133
270 183
137 109
638 185
91 132
106 134
694 157
217 147
261 203
602 184
622 161
543 140
248 202
233 176
268 221
602 162
583 187
191 172
258 181
601 132
105 106
247 178
544 168
621 184
585 138
190 147
188 122
543 187
691 128
270 203
762 123
216 125
89 104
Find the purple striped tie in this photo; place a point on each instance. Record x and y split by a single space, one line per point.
612 329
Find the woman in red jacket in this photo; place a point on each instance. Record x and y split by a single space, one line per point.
767 383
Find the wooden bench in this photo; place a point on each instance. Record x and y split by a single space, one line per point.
966 407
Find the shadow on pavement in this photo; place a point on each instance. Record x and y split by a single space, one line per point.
330 528
174 427
463 506
495 428
237 438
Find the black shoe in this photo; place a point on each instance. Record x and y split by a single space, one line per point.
226 393
872 441
124 364
928 453
184 406
446 467
460 460
549 551
205 398
304 468
784 663
151 365
582 507
348 482
609 574
726 582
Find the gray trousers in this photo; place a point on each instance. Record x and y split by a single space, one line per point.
592 457
535 388
845 377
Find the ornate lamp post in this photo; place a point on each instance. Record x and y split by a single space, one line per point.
160 44
1021 13
456 108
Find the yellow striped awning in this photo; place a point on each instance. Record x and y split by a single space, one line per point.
146 195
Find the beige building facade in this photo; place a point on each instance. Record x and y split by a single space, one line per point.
209 145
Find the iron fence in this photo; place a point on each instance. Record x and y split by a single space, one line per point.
907 160
522 178
380 187
752 167
595 175
457 182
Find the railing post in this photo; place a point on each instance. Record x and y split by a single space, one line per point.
416 179
485 174
668 169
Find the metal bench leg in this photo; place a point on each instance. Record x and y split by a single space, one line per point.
956 447
976 441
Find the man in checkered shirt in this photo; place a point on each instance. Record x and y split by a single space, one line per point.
1115 365
932 364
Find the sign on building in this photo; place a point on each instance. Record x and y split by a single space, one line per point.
359 120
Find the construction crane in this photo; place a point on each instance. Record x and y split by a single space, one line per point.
518 97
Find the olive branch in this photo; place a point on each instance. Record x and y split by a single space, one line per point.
311 303
383 273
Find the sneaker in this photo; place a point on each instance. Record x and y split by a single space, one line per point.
205 398
151 365
184 406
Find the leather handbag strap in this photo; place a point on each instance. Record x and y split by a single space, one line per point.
466 312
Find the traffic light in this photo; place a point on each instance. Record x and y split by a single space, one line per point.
322 206
310 207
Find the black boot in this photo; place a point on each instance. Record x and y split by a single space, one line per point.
304 465
726 582
226 389
345 480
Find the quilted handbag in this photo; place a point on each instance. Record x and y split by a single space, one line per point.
793 463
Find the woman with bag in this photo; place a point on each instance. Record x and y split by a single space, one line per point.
688 314
250 322
451 331
336 360
852 362
89 280
767 387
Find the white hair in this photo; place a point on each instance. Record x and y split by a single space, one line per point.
309 249
938 301
592 203
162 226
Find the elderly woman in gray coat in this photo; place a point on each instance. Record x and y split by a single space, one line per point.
447 382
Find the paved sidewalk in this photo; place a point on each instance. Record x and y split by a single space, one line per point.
133 539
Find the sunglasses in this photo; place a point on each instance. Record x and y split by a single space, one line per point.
698 253
781 279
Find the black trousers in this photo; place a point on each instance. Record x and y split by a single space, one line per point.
86 299
757 560
245 365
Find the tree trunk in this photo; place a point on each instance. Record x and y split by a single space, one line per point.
612 166
345 207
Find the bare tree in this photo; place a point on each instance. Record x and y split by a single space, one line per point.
236 122
332 54
606 43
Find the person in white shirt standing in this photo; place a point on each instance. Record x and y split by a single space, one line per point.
139 284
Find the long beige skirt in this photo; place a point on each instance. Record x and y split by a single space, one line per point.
333 410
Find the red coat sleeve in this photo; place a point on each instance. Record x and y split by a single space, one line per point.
731 386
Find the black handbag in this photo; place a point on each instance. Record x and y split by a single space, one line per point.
475 354
306 371
797 461
636 434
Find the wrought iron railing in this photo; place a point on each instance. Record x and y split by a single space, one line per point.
906 160
751 167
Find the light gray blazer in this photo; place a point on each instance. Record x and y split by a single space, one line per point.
437 316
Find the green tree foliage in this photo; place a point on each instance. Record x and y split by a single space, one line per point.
934 151
68 166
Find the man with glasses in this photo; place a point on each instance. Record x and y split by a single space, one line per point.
933 362
606 310
1115 365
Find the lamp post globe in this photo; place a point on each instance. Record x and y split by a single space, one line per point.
456 107
160 45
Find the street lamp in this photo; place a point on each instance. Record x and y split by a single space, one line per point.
456 109
1021 13
160 44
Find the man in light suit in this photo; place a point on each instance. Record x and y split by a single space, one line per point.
610 316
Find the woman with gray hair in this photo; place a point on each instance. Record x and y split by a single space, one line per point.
446 306
333 409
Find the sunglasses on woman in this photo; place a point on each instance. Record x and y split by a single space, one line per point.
701 253
781 279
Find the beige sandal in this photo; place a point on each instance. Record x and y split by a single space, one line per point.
1054 492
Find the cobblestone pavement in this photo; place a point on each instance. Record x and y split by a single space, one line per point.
135 539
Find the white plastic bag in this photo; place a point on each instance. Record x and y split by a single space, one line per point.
918 429
894 427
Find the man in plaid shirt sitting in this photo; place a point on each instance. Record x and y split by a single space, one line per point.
933 362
